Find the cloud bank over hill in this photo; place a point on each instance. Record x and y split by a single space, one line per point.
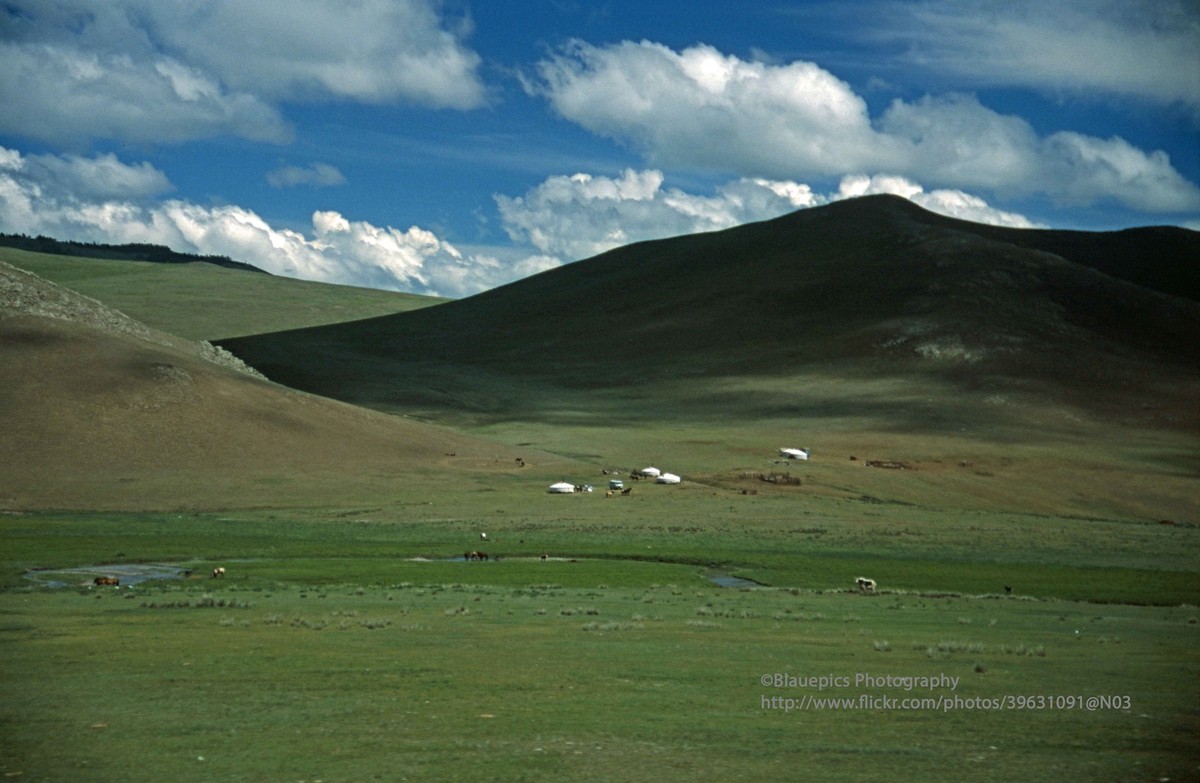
561 220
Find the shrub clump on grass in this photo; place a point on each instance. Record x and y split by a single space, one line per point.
207 601
612 626
946 648
787 614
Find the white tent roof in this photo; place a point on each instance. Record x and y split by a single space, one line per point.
650 472
561 488
794 453
668 478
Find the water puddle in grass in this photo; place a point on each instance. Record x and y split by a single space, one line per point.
725 580
130 574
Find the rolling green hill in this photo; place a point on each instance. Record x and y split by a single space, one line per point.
865 289
132 251
204 301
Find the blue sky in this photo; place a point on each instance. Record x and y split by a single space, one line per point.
449 147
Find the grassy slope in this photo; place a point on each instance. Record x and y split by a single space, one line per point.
101 412
202 301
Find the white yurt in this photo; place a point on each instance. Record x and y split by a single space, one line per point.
650 472
561 488
794 453
667 478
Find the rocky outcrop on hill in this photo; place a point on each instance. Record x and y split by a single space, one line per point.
25 293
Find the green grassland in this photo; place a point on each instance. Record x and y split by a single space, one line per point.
354 643
340 659
201 301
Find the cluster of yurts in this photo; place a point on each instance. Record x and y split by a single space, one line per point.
566 488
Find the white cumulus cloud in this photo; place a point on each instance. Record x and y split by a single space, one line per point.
955 140
33 200
583 215
1145 49
63 93
372 51
699 108
92 178
146 70
952 203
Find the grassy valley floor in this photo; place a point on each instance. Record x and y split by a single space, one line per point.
355 643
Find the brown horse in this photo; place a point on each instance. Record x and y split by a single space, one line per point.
475 555
106 581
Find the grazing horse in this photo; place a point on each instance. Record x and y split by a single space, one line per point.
865 585
475 555
106 581
627 490
218 572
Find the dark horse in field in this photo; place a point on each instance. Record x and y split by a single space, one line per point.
475 555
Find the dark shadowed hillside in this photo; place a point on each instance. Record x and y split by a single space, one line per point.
864 289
